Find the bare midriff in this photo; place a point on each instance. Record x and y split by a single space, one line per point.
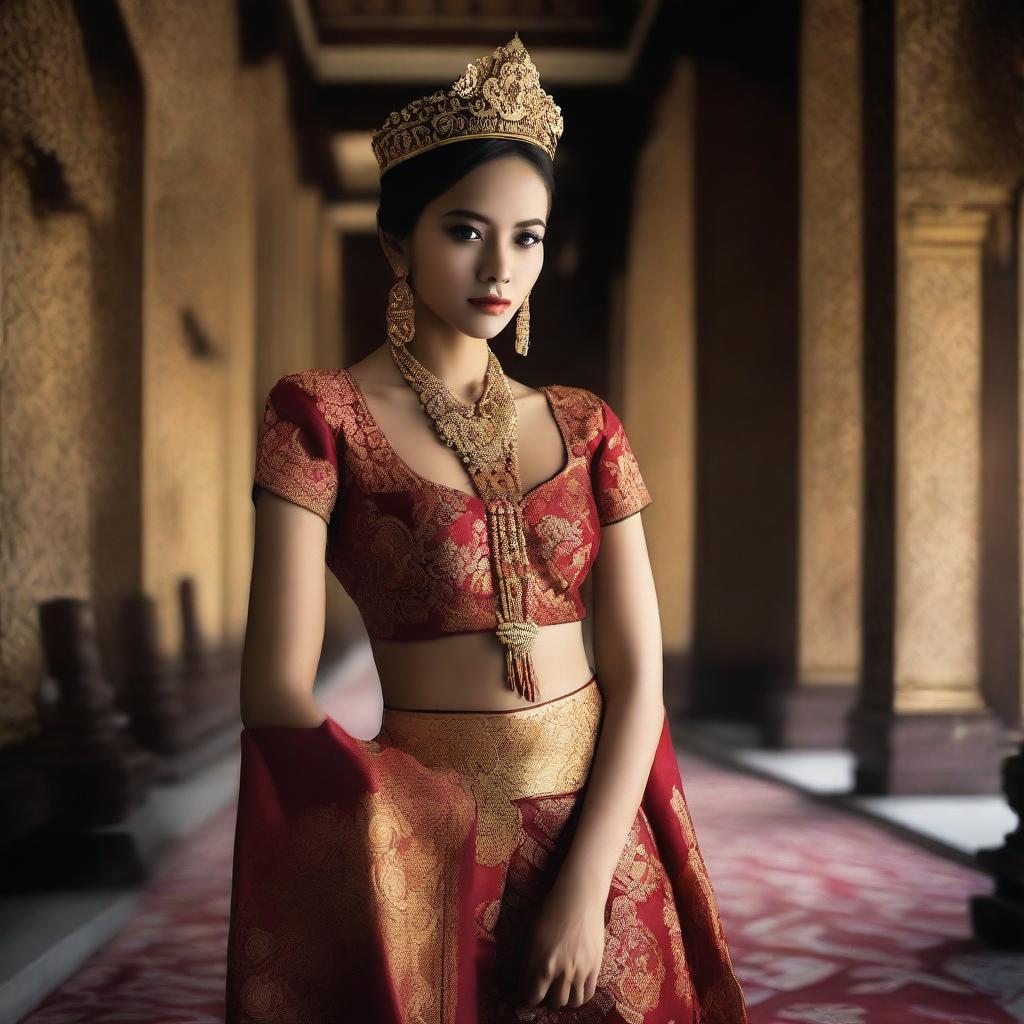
466 671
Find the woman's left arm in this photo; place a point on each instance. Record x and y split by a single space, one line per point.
564 960
627 651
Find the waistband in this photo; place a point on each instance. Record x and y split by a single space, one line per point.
543 749
592 681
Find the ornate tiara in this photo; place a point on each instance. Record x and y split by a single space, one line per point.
497 97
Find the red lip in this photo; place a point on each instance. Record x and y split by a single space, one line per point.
492 305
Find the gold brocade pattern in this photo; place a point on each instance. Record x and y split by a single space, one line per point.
505 757
284 462
632 976
684 983
622 486
641 876
434 859
410 577
538 754
393 850
414 555
695 862
418 902
724 1003
392 520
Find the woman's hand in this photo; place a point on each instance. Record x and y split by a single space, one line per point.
565 954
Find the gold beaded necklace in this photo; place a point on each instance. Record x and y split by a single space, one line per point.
485 435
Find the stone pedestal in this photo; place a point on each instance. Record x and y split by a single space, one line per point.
809 716
151 688
925 753
185 711
95 771
209 682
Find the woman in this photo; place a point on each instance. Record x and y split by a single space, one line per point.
515 843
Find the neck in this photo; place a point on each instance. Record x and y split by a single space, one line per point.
458 359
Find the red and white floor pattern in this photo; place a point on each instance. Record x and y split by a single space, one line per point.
830 919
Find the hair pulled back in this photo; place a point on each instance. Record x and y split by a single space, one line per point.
409 186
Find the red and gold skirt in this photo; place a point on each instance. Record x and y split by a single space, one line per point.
395 880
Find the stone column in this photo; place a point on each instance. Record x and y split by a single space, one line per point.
811 710
932 184
929 730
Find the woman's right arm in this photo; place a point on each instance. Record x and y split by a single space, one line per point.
285 628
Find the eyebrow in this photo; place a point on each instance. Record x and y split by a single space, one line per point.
481 217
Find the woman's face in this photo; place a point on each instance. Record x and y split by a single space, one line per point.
488 227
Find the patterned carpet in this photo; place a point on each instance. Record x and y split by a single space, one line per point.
830 920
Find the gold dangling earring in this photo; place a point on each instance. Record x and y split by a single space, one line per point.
523 327
400 316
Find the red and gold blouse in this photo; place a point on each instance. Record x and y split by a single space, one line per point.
414 554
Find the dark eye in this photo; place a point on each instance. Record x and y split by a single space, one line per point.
537 239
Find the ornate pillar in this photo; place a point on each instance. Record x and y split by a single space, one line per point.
933 701
921 725
811 710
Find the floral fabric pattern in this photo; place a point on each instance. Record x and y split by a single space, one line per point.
398 879
414 555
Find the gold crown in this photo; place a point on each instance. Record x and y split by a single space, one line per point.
498 97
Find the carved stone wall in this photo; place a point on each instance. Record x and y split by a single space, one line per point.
70 223
155 237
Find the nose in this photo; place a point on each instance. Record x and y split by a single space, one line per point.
493 280
495 266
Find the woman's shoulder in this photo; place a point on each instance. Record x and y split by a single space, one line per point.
575 395
326 387
313 379
578 400
581 411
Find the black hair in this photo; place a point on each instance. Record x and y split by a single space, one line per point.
407 187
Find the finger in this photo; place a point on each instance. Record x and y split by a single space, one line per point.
558 992
534 987
578 995
590 988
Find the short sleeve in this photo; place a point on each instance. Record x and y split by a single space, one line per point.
619 489
296 447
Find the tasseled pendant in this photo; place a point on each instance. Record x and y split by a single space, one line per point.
516 630
518 638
